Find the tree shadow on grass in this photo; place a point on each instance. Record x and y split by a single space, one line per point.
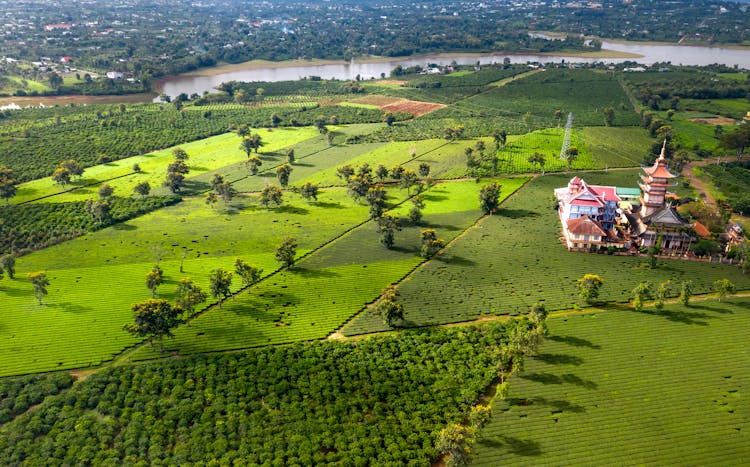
124 226
517 446
684 317
558 359
448 227
568 378
432 197
456 260
314 273
69 307
327 205
289 209
714 309
575 341
516 213
302 164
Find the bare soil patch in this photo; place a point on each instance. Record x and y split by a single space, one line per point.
415 108
715 120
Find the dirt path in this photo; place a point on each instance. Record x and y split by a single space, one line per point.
687 172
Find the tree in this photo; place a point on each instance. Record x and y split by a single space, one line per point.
609 115
142 188
226 191
424 169
8 187
271 194
55 80
242 130
345 172
105 191
220 282
415 214
558 116
216 180
489 197
408 180
290 156
387 226
189 295
430 243
479 415
73 167
249 274
381 172
453 133
538 317
8 263
375 197
154 279
99 210
286 251
737 139
247 145
571 155
254 164
309 191
537 158
211 199
154 319
61 176
662 291
282 173
174 181
588 287
40 282
388 308
275 120
724 287
389 118
500 137
178 166
180 154
641 292
686 291
397 172
454 442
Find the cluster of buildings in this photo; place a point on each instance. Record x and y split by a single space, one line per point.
598 217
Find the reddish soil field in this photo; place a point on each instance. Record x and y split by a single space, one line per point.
715 121
415 108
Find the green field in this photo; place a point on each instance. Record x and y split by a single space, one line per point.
514 259
95 278
328 287
624 388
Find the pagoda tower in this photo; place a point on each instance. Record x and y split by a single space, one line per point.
654 185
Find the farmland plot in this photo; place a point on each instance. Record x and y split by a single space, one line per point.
625 388
514 259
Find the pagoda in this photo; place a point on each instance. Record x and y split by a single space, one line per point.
654 184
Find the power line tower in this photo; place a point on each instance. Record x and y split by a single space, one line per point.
566 139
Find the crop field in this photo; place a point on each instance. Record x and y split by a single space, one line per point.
732 108
95 278
325 289
513 157
615 146
514 259
582 92
428 127
625 388
690 132
205 155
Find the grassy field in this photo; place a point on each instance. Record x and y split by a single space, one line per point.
615 146
205 155
95 278
514 259
624 388
326 288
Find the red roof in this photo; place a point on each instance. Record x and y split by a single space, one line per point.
701 230
585 226
659 169
609 192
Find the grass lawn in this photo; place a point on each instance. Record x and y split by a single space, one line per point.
624 388
95 278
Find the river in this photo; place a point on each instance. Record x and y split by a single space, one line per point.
648 53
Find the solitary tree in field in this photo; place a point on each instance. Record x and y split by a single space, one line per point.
609 116
408 180
387 226
389 118
686 291
431 244
254 164
211 199
142 188
641 292
73 167
40 282
249 274
8 263
242 130
8 187
724 287
537 158
271 194
571 155
286 251
388 308
489 197
247 145
290 156
180 154
226 191
415 214
154 279
61 176
189 295
220 282
282 173
588 287
105 191
424 169
309 191
154 319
